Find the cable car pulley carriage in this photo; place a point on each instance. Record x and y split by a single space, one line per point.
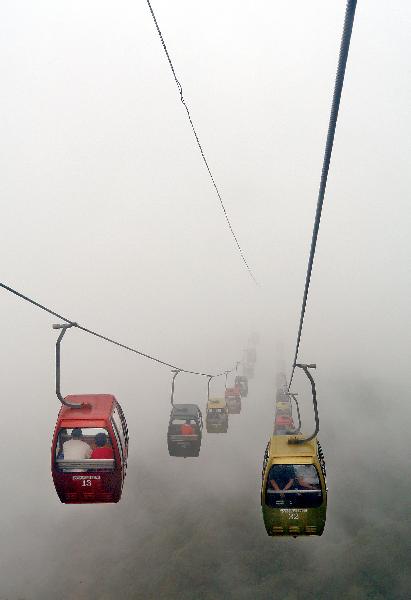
293 489
90 444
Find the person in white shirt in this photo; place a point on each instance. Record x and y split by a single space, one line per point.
76 448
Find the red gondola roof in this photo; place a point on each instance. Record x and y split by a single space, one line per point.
99 407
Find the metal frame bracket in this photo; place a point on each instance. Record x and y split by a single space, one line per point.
305 368
63 327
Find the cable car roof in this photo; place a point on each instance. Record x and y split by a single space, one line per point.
280 448
185 409
98 407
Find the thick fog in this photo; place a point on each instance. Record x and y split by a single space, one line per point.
109 218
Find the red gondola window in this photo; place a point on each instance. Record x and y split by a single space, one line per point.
84 449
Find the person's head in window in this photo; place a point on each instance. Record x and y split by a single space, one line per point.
76 434
62 435
103 447
101 440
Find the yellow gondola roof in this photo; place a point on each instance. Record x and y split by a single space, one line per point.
280 448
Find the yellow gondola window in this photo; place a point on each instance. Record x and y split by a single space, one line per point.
293 486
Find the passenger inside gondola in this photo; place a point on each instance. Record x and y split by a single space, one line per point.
62 437
215 413
76 448
187 428
102 448
306 477
281 477
183 426
79 444
295 486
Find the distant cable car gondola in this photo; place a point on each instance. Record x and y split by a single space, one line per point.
284 425
185 427
249 371
285 406
90 445
281 381
217 416
185 430
281 395
283 412
233 400
251 356
293 489
254 338
242 382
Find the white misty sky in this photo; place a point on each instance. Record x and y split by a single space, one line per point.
103 189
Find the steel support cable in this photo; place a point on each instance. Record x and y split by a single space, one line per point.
339 82
180 91
105 338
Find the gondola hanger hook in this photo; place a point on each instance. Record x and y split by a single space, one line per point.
210 377
63 327
293 396
305 368
176 372
226 377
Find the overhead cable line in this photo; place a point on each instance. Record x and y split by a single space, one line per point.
105 338
339 81
180 90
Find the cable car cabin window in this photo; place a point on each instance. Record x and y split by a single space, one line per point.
118 423
293 486
86 449
216 415
181 426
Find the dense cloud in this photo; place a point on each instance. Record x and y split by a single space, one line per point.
193 529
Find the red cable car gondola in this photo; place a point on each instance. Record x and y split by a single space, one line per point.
284 421
233 400
90 445
89 450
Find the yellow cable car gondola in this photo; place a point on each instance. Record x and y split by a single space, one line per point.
293 490
217 416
